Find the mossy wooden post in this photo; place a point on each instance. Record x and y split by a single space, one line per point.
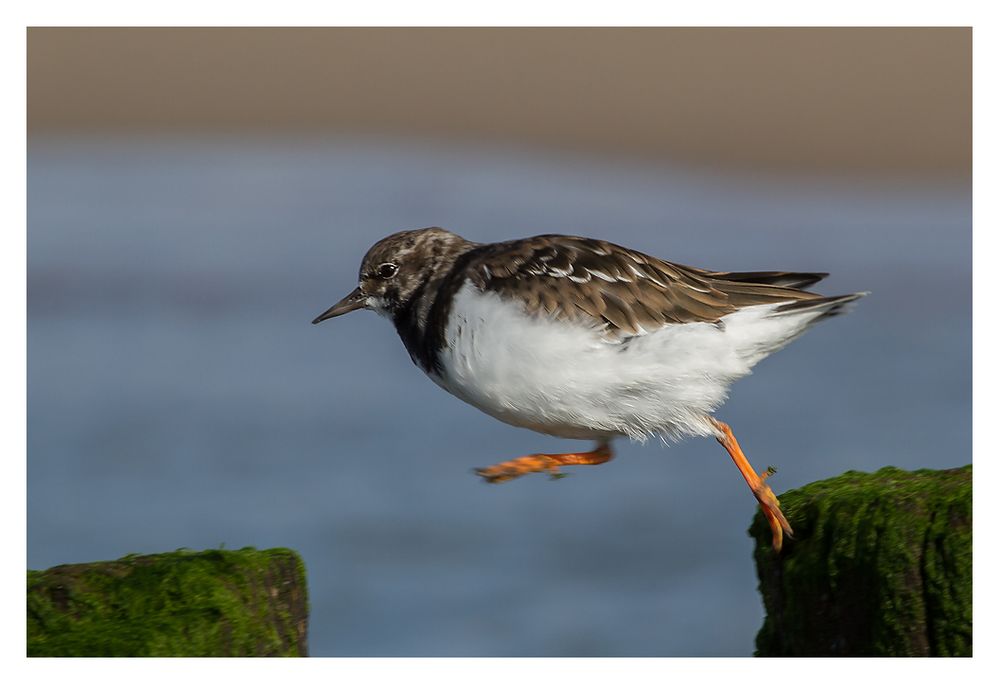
244 602
881 565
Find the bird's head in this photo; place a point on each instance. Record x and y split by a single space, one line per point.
396 268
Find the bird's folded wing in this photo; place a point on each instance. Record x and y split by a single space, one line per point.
621 291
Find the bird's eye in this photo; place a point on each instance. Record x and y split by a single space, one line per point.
387 270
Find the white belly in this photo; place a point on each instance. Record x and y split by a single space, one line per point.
564 379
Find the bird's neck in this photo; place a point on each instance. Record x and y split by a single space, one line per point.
422 319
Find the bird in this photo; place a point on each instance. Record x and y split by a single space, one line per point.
583 339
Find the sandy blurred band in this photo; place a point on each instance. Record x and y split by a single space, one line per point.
883 100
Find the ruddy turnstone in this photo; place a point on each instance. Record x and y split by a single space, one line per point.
584 339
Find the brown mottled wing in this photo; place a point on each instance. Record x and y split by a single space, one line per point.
622 291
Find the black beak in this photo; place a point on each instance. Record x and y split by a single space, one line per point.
356 300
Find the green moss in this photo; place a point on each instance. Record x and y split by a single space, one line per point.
881 564
215 603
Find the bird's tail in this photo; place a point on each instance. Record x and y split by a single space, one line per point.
821 308
763 329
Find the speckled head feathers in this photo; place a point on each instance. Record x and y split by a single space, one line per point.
398 269
399 266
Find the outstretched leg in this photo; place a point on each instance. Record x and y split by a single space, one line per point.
768 502
544 463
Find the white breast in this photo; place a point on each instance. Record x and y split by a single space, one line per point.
564 379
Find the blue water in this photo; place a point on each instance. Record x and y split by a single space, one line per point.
178 397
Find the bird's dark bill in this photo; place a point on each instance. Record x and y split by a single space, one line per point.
356 300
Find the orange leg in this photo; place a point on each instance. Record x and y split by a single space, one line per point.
768 502
544 463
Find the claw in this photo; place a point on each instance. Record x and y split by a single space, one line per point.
772 512
491 475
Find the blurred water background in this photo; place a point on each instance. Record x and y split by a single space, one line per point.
178 397
196 196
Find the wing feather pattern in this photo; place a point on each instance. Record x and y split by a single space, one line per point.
621 291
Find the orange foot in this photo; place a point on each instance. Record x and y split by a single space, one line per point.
544 463
768 502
